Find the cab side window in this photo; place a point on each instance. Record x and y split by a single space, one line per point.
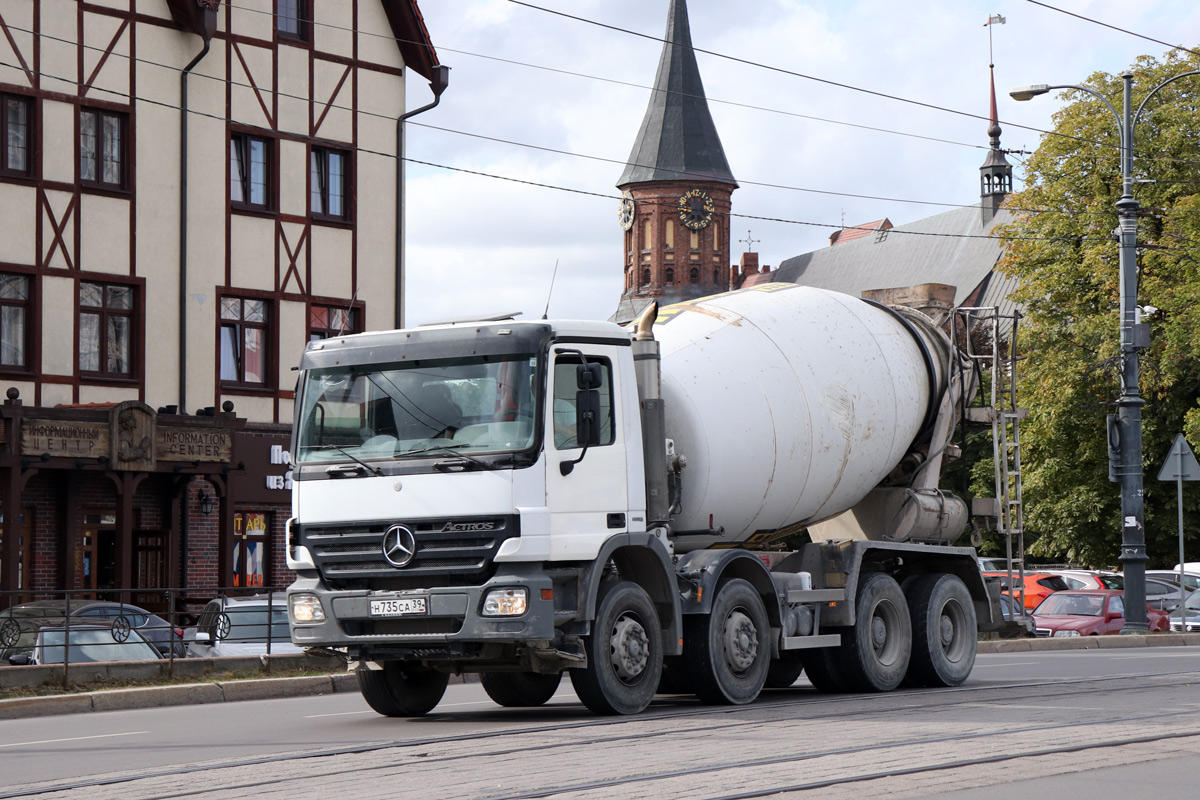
564 402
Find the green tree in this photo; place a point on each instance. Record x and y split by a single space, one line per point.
1061 247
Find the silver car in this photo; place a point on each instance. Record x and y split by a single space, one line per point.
241 626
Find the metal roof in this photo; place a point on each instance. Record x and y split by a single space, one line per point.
678 139
951 248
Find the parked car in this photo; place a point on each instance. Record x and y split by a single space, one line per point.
154 629
1037 585
1088 613
1089 579
51 643
1162 595
239 626
1191 580
1190 622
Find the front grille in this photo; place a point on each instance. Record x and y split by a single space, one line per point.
423 626
1042 632
351 556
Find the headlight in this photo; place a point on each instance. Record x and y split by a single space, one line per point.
305 608
1065 633
505 603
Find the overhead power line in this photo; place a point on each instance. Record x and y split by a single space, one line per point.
766 109
510 179
1114 27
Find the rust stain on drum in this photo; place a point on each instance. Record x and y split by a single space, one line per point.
714 314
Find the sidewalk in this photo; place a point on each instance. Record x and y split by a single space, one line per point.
340 681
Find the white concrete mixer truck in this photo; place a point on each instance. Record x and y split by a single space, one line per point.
521 499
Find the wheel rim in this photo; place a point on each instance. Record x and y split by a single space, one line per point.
740 642
629 648
884 621
952 630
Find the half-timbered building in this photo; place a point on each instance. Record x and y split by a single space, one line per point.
189 191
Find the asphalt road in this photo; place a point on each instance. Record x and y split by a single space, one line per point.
1004 690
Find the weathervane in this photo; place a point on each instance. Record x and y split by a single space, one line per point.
749 240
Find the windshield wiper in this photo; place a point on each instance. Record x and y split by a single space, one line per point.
452 450
334 470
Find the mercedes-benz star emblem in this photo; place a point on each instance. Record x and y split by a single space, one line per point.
399 546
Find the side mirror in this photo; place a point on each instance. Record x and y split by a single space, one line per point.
20 659
588 376
587 417
201 637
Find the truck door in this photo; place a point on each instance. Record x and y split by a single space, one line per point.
590 502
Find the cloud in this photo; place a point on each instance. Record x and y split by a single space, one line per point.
480 245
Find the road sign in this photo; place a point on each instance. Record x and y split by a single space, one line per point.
1181 462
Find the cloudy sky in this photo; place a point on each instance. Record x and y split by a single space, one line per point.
543 98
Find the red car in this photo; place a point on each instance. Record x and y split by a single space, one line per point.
1088 613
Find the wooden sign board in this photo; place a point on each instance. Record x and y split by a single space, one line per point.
192 444
65 438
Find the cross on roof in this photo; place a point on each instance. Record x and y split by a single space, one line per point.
750 241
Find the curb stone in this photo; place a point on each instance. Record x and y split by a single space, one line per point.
346 683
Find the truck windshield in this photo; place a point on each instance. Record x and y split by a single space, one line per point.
417 409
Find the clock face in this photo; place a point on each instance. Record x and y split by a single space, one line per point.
625 212
696 209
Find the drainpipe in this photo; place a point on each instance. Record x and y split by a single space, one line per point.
183 223
437 84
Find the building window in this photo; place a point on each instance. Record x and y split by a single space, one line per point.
249 171
327 321
716 276
330 182
694 276
15 113
106 329
670 276
14 307
244 341
102 148
292 19
645 277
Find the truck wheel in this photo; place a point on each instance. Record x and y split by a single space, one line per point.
945 632
402 689
729 647
624 653
821 667
785 671
875 653
520 689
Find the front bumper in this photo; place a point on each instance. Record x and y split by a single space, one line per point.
453 616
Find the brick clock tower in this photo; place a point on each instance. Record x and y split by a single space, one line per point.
676 187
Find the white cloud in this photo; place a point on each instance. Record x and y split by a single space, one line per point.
478 244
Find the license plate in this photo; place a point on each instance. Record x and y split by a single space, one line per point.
398 607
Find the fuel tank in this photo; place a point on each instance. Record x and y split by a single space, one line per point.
789 404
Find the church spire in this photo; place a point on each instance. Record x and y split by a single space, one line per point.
678 140
995 176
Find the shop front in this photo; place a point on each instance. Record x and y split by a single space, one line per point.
121 502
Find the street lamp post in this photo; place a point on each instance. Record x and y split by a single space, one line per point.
1125 434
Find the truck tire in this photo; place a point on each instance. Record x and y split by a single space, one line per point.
520 689
402 689
624 652
729 648
875 653
784 671
945 631
824 673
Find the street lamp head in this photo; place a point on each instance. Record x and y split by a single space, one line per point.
1028 92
